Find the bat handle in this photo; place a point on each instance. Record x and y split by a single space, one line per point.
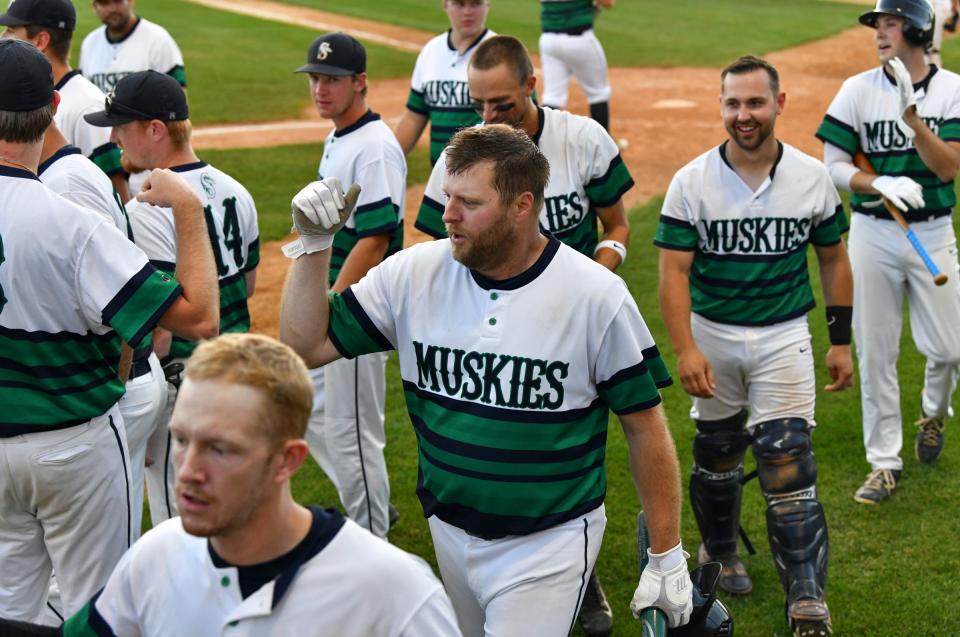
939 278
653 620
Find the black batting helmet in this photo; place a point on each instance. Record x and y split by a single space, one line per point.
710 618
917 15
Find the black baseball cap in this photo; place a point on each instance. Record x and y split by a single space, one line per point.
26 78
144 95
335 54
57 14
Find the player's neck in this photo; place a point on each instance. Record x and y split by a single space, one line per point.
53 140
179 157
916 63
753 166
357 109
274 530
23 156
531 121
59 70
461 41
519 257
123 31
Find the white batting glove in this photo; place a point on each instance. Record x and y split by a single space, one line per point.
903 192
319 210
665 583
905 90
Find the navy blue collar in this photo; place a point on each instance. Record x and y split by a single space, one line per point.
136 24
66 78
773 169
472 44
19 173
922 84
63 152
525 277
368 117
185 168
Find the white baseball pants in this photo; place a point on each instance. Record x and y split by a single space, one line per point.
885 269
161 476
580 55
768 370
346 436
64 505
520 585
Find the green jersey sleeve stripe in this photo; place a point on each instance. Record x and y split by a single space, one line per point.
676 234
378 217
138 306
351 330
253 255
179 74
606 190
87 622
830 231
838 133
107 158
416 102
430 219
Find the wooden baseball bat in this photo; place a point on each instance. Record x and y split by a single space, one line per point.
653 620
939 278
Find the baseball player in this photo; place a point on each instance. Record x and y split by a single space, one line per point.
71 287
943 10
568 46
346 432
149 116
510 414
903 115
438 88
49 26
587 176
125 44
735 292
244 557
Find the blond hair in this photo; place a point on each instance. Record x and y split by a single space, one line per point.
265 364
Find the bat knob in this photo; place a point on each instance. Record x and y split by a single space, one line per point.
940 279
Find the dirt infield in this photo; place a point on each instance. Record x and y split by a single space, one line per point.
663 117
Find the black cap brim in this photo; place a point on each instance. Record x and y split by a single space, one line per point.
323 69
104 120
8 20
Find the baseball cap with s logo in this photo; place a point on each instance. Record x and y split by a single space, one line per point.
335 54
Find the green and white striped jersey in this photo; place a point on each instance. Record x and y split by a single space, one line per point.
750 247
863 116
231 218
567 16
438 89
508 383
586 173
71 286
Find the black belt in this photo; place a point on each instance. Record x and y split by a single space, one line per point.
139 368
573 31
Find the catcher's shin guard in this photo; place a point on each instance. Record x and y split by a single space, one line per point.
796 525
715 487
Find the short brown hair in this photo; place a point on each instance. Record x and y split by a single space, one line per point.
179 132
503 49
25 127
59 40
518 165
265 364
749 64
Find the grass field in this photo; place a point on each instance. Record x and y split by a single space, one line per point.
241 68
645 32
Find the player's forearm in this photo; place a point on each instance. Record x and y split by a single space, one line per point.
836 275
615 228
367 253
656 474
196 269
126 359
305 308
409 129
942 159
674 297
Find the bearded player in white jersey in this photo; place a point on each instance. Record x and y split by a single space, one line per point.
510 413
735 292
346 432
71 287
904 116
150 120
243 556
49 26
438 88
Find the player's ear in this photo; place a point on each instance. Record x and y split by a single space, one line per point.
290 458
531 83
360 79
781 101
56 101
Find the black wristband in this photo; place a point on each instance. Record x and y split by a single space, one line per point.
839 318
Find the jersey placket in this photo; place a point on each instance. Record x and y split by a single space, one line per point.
494 306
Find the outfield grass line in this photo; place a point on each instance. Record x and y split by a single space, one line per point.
371 31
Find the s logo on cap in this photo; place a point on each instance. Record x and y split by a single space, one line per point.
324 50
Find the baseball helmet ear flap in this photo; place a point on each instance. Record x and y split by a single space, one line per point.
710 618
917 14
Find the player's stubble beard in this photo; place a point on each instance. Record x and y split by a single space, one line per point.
764 131
229 516
485 250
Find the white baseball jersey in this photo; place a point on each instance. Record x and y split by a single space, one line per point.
586 173
367 153
339 580
78 96
863 116
71 286
75 178
232 224
750 247
148 47
438 89
508 383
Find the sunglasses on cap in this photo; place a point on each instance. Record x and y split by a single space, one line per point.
116 108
